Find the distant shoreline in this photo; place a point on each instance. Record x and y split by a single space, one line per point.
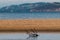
31 7
32 12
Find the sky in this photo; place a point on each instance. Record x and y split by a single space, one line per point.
10 2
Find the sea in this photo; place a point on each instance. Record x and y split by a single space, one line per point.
24 36
51 15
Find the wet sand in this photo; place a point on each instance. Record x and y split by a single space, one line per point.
21 25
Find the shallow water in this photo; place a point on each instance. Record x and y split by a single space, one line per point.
24 36
28 15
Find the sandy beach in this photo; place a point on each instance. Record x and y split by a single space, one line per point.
30 24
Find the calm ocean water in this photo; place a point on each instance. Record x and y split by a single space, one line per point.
29 15
23 36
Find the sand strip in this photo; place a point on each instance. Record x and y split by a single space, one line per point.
30 24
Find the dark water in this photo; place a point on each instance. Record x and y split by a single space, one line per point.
29 15
23 36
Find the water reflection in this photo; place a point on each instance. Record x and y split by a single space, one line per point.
23 36
31 38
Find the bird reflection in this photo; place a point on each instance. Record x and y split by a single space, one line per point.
32 38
